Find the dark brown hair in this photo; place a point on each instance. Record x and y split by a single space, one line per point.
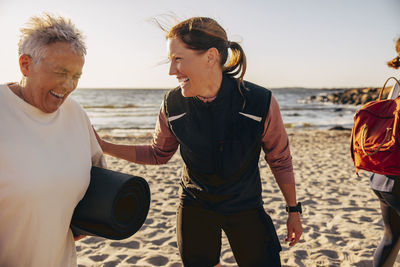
201 34
395 63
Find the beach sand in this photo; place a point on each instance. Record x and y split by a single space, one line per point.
341 215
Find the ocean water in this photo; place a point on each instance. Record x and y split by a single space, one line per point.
136 110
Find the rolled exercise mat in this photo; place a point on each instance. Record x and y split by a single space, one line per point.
115 205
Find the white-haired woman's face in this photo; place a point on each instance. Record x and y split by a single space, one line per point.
53 78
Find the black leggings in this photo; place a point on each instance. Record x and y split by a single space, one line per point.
251 235
387 250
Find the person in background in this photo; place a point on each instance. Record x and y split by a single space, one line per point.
220 123
387 188
47 147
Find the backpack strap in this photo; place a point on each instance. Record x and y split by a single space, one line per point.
383 88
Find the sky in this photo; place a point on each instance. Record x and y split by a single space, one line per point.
288 43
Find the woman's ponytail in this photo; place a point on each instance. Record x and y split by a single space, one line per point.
237 62
394 63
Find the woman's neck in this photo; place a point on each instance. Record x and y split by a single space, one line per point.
212 89
17 89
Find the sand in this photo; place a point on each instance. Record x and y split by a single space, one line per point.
341 219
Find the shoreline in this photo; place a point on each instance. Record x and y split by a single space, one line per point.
147 134
341 217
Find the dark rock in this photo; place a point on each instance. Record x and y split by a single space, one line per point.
339 128
354 96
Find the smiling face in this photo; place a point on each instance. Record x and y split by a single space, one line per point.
190 67
53 78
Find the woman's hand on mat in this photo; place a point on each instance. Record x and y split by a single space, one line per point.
78 237
295 230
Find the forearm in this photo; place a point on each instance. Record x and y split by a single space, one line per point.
161 149
293 223
289 193
126 152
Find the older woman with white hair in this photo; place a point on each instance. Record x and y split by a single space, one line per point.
47 147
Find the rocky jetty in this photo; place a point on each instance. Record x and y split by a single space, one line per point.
356 96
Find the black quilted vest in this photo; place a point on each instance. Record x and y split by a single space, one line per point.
220 144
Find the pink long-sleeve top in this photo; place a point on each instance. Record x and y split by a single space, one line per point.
275 144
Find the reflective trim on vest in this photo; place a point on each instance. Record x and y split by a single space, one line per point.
256 118
176 117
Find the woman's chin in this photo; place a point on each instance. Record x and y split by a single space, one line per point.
53 107
186 92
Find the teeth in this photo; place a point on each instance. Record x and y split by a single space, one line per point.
182 80
56 94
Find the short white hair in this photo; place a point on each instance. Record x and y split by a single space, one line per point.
41 31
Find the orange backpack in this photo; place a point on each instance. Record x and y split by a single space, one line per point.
375 140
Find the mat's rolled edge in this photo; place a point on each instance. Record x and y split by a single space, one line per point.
96 228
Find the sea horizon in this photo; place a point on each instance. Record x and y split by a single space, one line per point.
271 88
137 109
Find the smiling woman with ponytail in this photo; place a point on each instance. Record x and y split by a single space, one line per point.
220 122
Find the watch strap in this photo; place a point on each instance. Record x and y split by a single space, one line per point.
296 208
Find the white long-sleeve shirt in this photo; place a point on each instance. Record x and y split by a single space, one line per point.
45 162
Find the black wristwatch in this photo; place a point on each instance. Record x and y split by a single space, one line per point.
296 208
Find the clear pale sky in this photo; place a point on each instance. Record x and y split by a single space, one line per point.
288 43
